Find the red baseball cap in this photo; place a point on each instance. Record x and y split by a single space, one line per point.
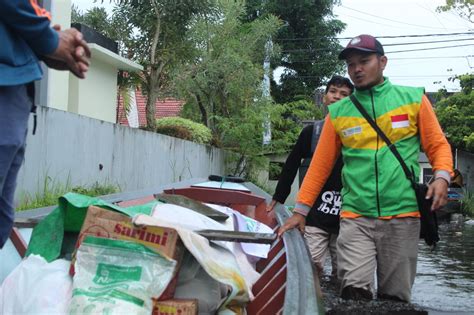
362 42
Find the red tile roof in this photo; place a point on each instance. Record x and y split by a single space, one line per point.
169 107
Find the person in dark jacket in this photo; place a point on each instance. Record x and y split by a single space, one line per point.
26 37
322 223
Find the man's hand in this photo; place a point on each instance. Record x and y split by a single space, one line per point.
438 190
271 205
296 220
72 53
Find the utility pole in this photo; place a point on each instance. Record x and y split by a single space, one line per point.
267 133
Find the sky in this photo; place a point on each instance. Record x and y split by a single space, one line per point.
429 68
413 17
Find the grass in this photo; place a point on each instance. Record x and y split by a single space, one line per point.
53 189
467 203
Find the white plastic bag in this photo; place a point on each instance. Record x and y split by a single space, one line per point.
217 260
118 277
37 287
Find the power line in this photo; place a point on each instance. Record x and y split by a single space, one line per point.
432 57
387 36
387 19
431 48
387 52
375 22
396 58
430 42
394 76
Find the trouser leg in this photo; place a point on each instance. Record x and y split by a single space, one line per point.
356 257
15 106
333 253
397 250
318 242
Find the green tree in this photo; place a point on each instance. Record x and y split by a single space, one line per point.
464 8
225 74
308 44
456 114
288 120
159 40
154 34
96 18
222 85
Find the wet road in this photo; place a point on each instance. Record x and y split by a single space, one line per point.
445 278
444 284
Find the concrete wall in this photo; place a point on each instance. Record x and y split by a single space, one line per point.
271 184
70 147
465 164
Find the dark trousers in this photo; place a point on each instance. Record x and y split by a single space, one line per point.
15 106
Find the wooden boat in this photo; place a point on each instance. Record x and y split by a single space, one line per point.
288 283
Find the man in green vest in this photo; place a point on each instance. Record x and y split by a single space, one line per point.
380 225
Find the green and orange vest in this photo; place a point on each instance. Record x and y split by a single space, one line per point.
374 182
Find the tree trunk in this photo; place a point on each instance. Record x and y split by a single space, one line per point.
152 95
203 111
155 71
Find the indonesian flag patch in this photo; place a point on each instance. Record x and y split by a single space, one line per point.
400 121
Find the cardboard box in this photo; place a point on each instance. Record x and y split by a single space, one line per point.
175 307
110 224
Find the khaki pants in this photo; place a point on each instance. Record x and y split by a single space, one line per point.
388 246
319 241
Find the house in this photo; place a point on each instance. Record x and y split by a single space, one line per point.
95 97
135 116
464 162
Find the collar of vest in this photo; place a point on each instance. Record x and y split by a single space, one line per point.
378 89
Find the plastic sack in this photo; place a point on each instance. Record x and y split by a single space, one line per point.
118 277
244 223
195 283
216 259
37 287
48 236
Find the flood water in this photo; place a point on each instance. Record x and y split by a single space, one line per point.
444 283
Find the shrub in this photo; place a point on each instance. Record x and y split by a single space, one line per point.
184 129
175 131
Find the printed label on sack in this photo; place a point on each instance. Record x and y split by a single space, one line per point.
113 274
145 235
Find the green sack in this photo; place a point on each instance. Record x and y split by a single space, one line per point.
67 219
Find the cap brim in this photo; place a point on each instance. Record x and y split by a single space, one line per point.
343 54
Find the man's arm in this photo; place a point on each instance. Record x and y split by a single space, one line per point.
324 158
32 23
438 150
323 161
301 149
61 50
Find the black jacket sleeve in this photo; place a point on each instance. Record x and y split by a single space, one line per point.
301 150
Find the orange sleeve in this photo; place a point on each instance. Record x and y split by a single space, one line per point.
433 141
322 163
39 10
